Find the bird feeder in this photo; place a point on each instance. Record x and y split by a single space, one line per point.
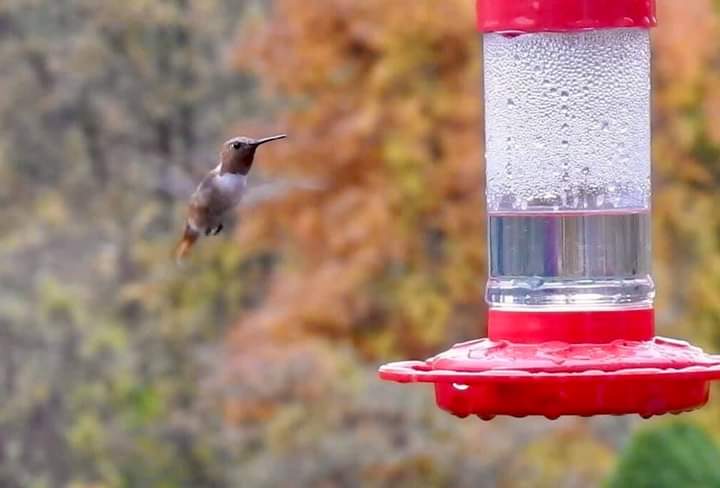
570 292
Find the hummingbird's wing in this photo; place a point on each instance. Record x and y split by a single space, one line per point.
261 192
203 208
205 191
176 183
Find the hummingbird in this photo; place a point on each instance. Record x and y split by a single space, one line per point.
220 191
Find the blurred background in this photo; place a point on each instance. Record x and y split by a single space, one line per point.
254 364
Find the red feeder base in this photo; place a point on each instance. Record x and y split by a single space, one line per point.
631 375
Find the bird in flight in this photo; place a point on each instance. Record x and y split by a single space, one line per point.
220 191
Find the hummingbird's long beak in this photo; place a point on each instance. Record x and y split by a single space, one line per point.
268 139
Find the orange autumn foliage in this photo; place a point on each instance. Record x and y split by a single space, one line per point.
386 115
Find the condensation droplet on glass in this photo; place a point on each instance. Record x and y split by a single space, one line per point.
576 201
535 282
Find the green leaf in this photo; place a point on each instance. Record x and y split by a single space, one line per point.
674 455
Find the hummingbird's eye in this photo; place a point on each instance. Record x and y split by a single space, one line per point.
236 145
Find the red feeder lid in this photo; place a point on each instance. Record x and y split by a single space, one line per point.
563 15
552 377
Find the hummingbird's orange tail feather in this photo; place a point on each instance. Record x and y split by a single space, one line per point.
188 239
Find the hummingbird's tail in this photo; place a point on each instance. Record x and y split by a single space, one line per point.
188 239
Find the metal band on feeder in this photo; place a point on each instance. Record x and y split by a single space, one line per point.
570 293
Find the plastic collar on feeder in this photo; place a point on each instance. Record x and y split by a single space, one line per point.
534 374
570 293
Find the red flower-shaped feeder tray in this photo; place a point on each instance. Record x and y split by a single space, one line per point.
489 377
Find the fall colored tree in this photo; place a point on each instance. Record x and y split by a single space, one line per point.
385 112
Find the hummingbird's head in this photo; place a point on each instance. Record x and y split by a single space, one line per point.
237 153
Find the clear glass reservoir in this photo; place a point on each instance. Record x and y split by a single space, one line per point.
568 169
